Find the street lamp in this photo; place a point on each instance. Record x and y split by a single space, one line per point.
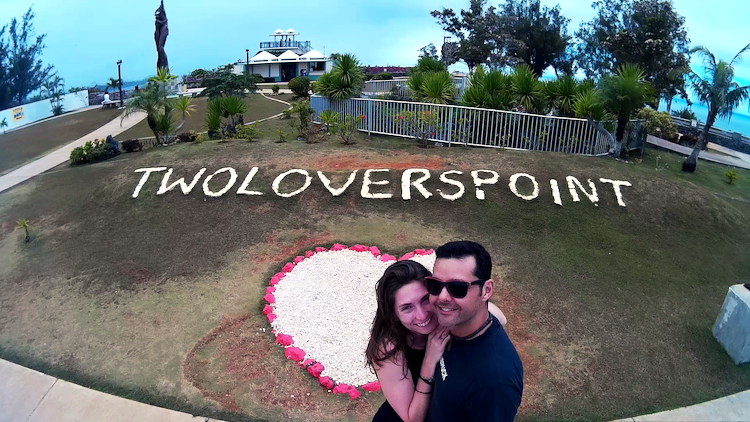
119 83
247 60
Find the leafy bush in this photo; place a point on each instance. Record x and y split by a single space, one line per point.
257 78
303 113
187 136
249 132
589 104
275 89
131 145
688 139
731 176
286 114
685 113
346 126
328 117
344 81
201 138
489 90
300 86
93 152
659 124
421 126
282 135
383 76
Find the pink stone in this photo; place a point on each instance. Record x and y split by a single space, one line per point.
315 369
299 259
371 386
338 247
320 249
410 255
309 254
269 298
295 353
275 280
375 251
358 248
270 290
280 275
342 389
307 362
420 252
271 318
386 257
326 382
284 340
268 309
288 267
354 393
430 251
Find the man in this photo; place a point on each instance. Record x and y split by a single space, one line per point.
480 377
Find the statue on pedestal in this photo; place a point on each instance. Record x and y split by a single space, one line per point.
160 36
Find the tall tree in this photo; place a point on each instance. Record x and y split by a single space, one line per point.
21 69
649 33
719 92
473 29
429 50
532 34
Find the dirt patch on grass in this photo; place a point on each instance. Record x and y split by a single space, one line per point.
397 161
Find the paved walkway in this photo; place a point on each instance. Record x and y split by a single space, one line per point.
30 396
62 154
725 155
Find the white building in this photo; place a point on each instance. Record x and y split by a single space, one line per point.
285 58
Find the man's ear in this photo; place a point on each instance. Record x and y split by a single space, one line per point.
488 289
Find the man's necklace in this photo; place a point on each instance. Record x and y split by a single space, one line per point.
443 370
470 336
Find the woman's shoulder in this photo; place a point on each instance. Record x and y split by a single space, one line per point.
388 348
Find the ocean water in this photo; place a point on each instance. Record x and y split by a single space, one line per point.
740 121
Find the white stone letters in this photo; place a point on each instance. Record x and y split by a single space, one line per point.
243 189
514 188
478 181
232 180
366 182
616 185
186 188
573 182
555 192
406 183
279 178
146 172
444 178
339 191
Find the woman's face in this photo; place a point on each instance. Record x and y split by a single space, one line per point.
413 308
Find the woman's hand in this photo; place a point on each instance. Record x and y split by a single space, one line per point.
436 342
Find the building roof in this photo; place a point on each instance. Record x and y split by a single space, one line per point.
264 56
291 31
288 55
313 54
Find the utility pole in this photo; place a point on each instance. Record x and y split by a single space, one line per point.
119 83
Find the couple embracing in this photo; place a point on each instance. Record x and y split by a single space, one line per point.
438 346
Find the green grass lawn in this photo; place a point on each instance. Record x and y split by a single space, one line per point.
257 108
159 298
21 146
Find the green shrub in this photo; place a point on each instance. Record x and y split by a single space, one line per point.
303 121
282 135
685 113
731 176
93 152
249 132
345 127
275 89
201 138
659 124
384 76
131 145
257 78
300 86
328 117
421 126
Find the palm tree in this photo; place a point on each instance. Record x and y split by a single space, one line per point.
4 124
163 75
345 79
489 90
561 93
152 101
113 83
527 89
437 88
623 93
719 92
24 224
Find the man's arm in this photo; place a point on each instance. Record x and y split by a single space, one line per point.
494 403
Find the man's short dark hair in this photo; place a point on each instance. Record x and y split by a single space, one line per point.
462 249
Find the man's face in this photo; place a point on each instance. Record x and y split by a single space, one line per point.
451 311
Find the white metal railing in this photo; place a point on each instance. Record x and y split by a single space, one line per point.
474 126
374 88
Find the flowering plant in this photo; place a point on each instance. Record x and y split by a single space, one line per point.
421 126
345 127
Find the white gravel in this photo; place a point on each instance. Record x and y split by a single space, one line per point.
327 304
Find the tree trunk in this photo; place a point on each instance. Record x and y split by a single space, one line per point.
619 135
151 120
691 163
669 104
26 231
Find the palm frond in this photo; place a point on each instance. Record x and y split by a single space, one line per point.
738 57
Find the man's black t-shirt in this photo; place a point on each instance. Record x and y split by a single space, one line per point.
484 380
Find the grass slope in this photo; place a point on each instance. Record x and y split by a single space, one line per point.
257 108
158 298
21 146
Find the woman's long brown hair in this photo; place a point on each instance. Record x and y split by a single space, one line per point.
387 328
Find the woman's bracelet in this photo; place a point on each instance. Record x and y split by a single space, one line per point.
428 380
417 390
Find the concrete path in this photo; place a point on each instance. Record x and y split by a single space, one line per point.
30 396
62 154
730 408
734 160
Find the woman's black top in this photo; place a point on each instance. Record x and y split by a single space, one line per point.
414 360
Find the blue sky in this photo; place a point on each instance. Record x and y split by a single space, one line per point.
85 38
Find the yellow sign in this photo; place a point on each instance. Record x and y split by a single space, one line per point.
18 114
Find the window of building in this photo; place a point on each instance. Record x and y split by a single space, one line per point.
318 66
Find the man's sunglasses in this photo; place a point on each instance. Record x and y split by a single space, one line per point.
457 289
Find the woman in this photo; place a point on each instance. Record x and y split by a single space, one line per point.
406 342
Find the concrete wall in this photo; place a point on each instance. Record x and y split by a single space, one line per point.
33 112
